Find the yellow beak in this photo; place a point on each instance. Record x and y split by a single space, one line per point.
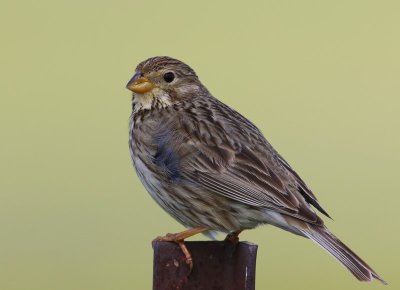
140 85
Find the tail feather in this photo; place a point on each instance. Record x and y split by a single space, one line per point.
342 253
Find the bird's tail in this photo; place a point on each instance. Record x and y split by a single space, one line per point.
324 238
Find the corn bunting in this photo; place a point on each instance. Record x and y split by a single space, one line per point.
212 169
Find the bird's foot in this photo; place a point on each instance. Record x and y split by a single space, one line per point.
233 237
179 238
181 243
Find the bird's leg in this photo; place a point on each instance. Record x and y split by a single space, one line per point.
179 238
233 237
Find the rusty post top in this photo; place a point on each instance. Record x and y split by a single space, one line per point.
216 266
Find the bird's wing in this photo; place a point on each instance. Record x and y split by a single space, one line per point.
226 154
249 181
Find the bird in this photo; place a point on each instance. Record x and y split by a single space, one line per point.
213 170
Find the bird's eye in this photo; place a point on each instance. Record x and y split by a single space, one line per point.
169 77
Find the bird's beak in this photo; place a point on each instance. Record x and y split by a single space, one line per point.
139 84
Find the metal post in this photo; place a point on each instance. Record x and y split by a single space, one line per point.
216 265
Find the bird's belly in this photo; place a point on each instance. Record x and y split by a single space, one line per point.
148 179
164 194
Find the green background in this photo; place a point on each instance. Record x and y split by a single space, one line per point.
320 79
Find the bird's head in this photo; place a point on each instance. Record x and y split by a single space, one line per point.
162 81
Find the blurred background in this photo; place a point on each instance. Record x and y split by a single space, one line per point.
320 79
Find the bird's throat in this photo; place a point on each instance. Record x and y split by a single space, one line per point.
155 99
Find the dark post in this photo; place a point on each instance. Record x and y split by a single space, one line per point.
216 265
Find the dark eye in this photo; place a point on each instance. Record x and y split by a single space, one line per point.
169 77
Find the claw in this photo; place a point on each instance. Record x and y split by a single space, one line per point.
179 239
188 256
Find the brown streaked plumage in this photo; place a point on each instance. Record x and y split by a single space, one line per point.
212 169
